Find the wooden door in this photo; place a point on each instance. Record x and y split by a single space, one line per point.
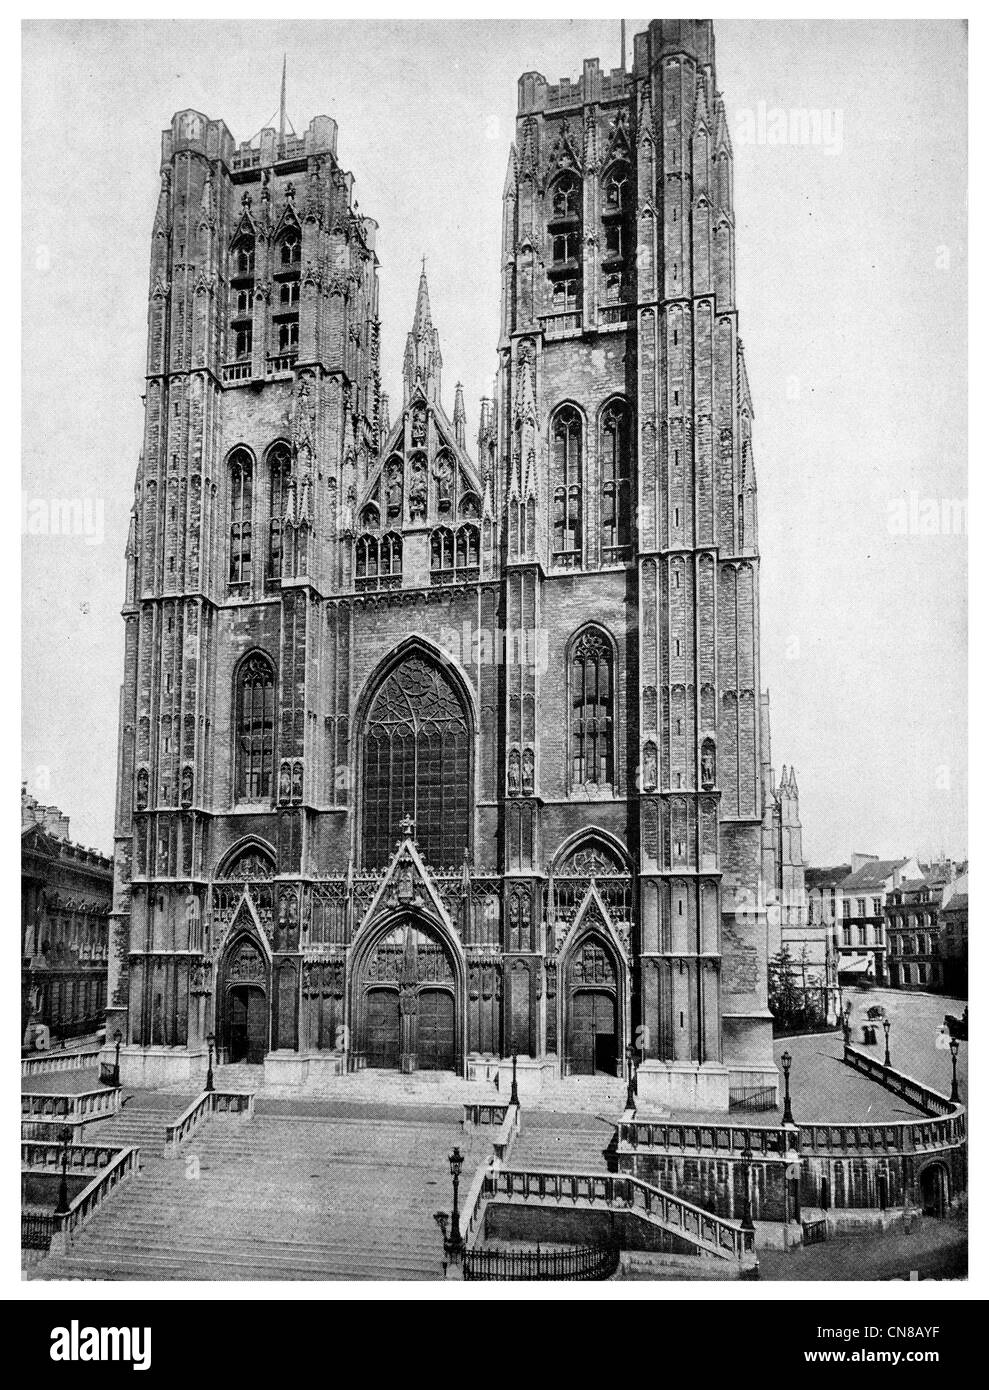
237 1025
257 1026
382 1028
593 1040
435 1048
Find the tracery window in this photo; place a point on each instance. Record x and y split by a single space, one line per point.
416 762
453 555
378 562
566 197
255 695
241 497
280 467
567 447
592 679
616 483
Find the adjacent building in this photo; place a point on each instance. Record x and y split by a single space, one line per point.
954 939
66 893
862 946
919 928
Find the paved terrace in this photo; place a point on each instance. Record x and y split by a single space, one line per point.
823 1089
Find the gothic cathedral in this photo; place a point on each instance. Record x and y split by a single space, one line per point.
430 752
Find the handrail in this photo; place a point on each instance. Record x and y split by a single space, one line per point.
473 1205
484 1113
208 1103
898 1082
47 1153
70 1105
715 1235
61 1061
126 1163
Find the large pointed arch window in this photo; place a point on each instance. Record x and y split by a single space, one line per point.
592 700
416 763
280 467
255 717
241 500
566 439
616 483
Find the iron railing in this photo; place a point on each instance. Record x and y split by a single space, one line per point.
580 1262
37 1229
815 1232
750 1098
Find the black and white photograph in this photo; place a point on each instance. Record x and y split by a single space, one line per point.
494 658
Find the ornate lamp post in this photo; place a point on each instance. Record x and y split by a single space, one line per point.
118 1038
456 1244
210 1043
886 1031
632 1087
62 1206
514 1097
954 1047
846 1023
747 1223
787 1062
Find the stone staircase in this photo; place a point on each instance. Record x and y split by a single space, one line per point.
140 1123
554 1142
296 1196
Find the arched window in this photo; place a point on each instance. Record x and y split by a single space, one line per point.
565 197
290 249
616 483
366 562
416 762
441 555
242 258
391 556
592 681
280 466
241 497
255 695
566 443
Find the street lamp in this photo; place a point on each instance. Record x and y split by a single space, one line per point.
442 1219
514 1098
747 1223
62 1206
118 1038
630 1092
456 1168
787 1061
846 1023
886 1031
210 1043
954 1047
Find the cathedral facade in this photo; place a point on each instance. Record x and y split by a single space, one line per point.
435 749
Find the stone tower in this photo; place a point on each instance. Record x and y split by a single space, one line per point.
628 492
261 419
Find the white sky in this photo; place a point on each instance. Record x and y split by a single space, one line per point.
852 293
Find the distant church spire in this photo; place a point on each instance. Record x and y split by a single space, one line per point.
423 359
281 107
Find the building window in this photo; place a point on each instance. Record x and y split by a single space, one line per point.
566 247
846 909
565 296
255 695
863 933
378 563
567 448
241 495
860 906
280 468
242 259
566 199
877 907
416 762
288 294
243 340
846 936
288 335
454 555
616 483
592 679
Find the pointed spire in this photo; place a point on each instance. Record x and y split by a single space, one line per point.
423 359
281 109
423 318
460 417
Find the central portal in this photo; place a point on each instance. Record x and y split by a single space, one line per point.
406 1002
